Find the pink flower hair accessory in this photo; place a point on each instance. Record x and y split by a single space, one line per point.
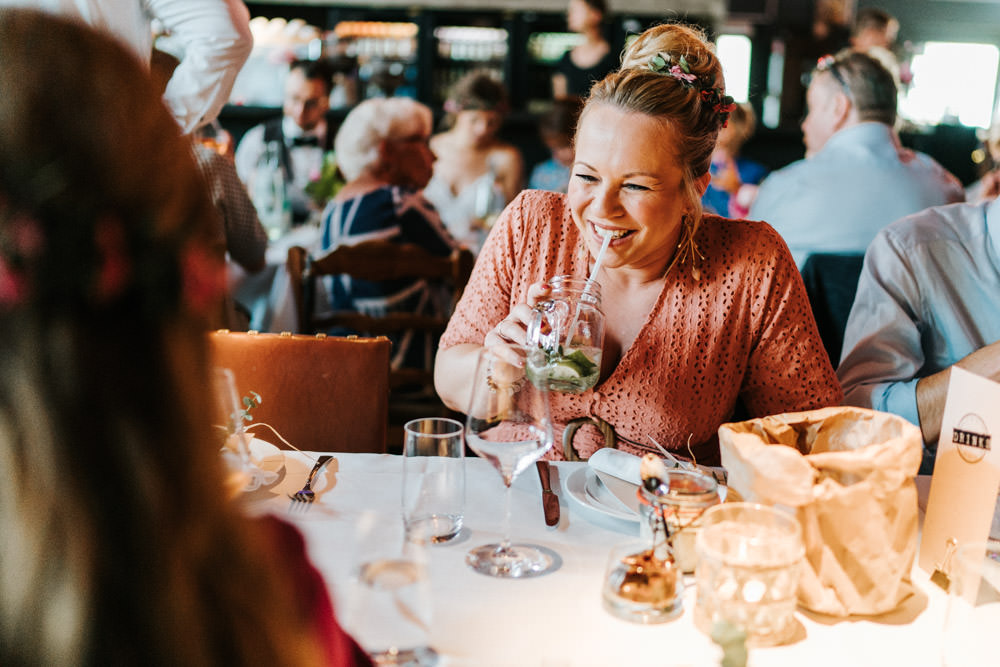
679 69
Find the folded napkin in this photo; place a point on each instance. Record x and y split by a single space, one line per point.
248 469
618 464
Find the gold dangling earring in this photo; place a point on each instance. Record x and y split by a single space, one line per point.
688 247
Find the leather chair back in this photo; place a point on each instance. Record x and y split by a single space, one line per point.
322 393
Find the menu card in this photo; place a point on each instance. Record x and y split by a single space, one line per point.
966 477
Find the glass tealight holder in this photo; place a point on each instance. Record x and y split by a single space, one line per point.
673 513
641 586
749 563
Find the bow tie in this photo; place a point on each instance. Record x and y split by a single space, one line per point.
306 141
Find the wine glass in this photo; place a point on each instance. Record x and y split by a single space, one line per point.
509 424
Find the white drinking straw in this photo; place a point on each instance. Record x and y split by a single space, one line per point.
593 275
600 255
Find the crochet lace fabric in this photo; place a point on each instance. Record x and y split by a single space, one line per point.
743 332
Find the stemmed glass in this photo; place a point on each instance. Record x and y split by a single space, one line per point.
510 425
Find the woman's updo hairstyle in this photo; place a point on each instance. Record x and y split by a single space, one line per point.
689 99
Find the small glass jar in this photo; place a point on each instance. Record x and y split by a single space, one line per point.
566 335
677 507
640 586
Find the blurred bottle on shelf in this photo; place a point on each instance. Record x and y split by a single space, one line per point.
269 193
461 49
385 53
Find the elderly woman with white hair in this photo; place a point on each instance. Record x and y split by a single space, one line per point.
383 153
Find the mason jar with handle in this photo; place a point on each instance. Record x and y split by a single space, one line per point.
566 336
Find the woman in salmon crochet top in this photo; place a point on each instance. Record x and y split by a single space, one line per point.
704 315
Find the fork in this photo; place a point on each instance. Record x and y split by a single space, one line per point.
306 494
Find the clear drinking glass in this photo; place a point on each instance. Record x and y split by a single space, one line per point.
566 336
389 606
973 615
749 561
509 424
433 478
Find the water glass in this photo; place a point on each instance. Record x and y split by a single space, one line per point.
433 478
973 614
388 609
749 562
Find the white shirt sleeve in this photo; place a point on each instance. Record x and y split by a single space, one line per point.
217 41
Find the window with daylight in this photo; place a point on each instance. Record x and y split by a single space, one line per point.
734 54
951 83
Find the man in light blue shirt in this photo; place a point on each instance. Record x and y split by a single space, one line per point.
857 177
928 299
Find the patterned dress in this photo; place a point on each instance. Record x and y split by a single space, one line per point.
742 335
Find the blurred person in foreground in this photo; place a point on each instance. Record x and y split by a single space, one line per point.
928 299
383 152
213 37
119 544
735 178
702 313
856 177
475 172
300 139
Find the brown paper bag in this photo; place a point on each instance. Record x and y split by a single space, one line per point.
848 473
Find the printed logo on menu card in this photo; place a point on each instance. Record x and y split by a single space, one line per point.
972 438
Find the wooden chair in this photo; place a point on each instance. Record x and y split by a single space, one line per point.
412 392
321 393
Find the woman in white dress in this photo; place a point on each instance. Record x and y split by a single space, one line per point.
476 173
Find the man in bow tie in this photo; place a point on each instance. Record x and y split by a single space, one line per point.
299 139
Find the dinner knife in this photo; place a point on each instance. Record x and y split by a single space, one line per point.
550 501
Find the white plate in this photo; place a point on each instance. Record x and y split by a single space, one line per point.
582 487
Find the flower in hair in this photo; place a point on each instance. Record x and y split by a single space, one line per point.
722 104
663 63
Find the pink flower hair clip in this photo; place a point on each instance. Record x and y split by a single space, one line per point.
722 104
663 63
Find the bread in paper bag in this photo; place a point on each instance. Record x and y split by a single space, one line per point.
848 474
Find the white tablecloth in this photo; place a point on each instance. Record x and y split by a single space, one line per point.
557 619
